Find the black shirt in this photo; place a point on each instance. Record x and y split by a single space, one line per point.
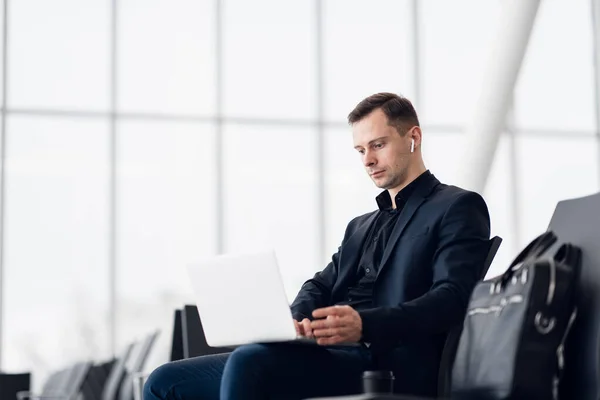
361 292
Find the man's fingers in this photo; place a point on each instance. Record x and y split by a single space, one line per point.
306 327
330 322
298 327
303 327
329 332
333 310
325 341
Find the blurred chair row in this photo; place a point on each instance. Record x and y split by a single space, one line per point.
111 380
114 379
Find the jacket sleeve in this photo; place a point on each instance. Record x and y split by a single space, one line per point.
457 263
316 292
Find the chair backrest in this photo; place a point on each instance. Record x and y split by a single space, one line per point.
67 383
93 384
54 382
135 364
11 384
95 380
117 373
177 338
578 221
451 345
194 341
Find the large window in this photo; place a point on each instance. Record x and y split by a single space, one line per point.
454 48
556 90
552 169
165 220
366 48
166 57
56 287
58 55
270 196
269 59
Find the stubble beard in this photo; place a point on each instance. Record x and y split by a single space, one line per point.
393 180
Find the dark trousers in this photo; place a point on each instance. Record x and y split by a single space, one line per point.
263 371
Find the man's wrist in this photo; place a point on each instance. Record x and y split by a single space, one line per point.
298 316
365 334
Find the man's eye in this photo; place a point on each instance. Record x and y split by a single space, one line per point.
378 145
361 151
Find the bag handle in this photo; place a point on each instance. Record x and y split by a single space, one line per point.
569 255
534 249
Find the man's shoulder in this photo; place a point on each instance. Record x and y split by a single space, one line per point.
451 193
453 200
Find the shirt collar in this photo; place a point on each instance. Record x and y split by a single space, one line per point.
384 201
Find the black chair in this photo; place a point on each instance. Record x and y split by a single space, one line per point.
188 338
194 340
135 365
96 380
11 384
114 380
578 221
177 338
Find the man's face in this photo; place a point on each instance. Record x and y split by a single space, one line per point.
384 152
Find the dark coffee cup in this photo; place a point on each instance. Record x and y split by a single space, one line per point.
378 382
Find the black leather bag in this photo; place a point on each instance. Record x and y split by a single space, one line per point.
516 324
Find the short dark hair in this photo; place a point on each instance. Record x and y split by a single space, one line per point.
398 109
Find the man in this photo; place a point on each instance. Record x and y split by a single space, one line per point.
399 282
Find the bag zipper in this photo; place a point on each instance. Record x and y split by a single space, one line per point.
514 299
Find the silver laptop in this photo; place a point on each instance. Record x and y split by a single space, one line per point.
241 299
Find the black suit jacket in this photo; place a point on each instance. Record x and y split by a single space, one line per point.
431 264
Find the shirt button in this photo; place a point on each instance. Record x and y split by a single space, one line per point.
368 270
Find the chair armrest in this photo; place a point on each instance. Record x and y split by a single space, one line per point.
23 394
139 379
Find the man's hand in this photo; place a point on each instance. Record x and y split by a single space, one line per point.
337 324
303 328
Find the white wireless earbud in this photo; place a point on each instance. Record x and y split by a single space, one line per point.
412 146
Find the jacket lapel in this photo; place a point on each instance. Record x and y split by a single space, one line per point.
356 242
350 257
413 204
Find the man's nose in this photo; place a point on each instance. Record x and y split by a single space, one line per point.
368 159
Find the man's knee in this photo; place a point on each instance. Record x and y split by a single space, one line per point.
194 378
160 381
250 354
255 359
250 370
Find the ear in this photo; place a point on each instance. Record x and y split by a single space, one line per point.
415 134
